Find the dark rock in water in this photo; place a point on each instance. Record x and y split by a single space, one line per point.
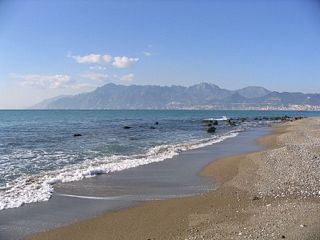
156 123
287 118
283 118
126 127
255 198
283 236
209 122
77 135
275 118
211 130
152 127
231 122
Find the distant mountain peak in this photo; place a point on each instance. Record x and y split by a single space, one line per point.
253 92
205 85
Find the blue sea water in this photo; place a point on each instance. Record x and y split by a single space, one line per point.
38 147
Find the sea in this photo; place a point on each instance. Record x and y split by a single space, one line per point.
39 148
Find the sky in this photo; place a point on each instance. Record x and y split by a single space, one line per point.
51 48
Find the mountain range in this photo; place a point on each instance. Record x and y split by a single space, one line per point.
198 96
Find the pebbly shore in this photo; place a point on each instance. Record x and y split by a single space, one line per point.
278 190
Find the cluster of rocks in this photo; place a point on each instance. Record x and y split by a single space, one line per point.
278 118
211 123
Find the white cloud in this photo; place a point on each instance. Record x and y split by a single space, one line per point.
99 59
95 76
44 81
147 54
57 81
93 58
107 58
124 62
90 58
128 77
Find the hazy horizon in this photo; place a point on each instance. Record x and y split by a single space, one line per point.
151 85
58 48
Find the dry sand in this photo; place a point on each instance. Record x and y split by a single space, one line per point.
273 194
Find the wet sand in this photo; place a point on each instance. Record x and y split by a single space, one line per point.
250 203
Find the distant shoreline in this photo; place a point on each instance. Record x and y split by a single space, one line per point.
147 109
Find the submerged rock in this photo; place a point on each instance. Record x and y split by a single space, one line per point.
298 118
231 122
211 130
209 122
243 119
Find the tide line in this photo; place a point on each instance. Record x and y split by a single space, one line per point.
91 197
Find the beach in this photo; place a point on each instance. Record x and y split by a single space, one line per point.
271 194
159 120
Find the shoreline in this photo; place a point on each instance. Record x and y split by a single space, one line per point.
241 208
76 201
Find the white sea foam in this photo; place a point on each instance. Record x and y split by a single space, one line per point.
223 118
36 188
89 197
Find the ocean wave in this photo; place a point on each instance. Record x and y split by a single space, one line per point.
39 187
223 118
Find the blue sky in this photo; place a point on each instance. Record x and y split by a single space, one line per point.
50 48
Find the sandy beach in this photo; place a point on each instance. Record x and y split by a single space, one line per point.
272 194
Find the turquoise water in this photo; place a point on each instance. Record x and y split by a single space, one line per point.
38 147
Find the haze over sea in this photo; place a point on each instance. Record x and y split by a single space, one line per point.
38 148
